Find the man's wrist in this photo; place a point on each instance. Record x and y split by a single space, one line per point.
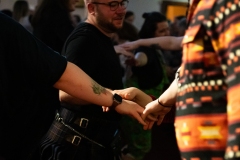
117 100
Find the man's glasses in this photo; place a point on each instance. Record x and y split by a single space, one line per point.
114 4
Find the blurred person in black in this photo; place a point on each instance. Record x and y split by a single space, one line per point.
30 75
90 47
52 22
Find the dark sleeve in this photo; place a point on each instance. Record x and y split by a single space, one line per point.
40 64
81 51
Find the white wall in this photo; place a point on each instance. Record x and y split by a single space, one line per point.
137 6
141 6
8 4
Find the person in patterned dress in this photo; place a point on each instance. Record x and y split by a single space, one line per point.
207 120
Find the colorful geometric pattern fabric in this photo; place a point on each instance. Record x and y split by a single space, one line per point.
208 104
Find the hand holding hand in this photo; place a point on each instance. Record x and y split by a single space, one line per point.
120 50
130 46
131 109
155 109
136 95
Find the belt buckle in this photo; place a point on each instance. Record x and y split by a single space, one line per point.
76 140
58 118
83 123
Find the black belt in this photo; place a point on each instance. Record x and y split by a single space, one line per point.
75 139
95 130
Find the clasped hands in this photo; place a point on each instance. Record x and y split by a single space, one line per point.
140 106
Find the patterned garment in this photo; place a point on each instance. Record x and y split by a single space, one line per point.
208 104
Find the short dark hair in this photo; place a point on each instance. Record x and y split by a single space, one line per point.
150 24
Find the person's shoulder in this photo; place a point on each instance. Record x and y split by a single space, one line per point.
82 27
85 27
9 26
84 30
5 20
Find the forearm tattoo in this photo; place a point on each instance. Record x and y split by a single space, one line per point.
155 46
98 89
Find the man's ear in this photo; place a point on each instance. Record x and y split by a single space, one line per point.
91 8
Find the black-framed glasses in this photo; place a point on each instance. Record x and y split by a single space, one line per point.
114 4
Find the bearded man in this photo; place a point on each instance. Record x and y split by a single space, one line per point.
89 133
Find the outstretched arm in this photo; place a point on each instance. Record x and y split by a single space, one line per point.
166 43
78 84
121 50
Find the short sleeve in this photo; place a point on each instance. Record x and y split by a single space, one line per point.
28 56
80 50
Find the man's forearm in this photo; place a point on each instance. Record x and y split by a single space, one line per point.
78 84
66 98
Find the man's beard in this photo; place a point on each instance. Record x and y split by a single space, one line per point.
107 26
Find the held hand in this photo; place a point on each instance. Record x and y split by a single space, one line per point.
121 50
136 95
132 94
155 109
130 46
131 109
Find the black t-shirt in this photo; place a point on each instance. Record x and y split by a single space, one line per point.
151 74
94 53
28 70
